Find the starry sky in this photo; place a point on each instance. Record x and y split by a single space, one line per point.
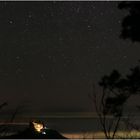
51 52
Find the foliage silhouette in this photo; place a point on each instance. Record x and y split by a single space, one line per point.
116 90
131 23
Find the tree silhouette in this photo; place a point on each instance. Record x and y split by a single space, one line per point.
116 90
131 23
110 103
131 30
3 105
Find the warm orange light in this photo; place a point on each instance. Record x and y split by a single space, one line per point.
38 126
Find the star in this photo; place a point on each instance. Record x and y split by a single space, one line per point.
97 47
11 21
119 21
17 57
30 16
124 56
43 76
101 13
89 27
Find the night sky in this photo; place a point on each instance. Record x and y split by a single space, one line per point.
51 52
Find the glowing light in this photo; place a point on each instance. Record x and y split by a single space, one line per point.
38 126
44 133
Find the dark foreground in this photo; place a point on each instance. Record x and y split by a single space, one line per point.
36 133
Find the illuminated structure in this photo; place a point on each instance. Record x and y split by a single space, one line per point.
38 126
36 130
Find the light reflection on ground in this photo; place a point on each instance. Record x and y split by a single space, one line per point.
90 135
